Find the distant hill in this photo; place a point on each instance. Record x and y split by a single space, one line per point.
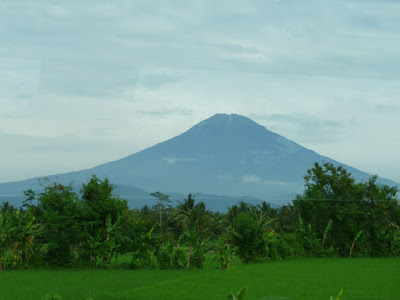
225 155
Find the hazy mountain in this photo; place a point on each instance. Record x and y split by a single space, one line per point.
228 155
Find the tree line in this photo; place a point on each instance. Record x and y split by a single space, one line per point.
335 216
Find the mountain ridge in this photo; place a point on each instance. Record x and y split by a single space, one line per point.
225 155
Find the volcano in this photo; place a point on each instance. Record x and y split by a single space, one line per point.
225 155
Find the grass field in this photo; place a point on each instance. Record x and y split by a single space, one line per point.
372 278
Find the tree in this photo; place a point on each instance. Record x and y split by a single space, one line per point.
163 200
61 219
6 206
18 232
30 198
197 248
382 217
248 237
98 198
236 209
331 193
103 220
189 215
224 252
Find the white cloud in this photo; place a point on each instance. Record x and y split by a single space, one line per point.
172 160
257 180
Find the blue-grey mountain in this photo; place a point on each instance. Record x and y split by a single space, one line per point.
227 155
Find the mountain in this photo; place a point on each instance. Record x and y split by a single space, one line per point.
225 155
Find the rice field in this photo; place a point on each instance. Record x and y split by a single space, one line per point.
361 278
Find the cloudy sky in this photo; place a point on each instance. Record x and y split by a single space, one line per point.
86 82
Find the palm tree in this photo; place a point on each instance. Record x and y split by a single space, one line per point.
236 209
190 215
192 237
187 204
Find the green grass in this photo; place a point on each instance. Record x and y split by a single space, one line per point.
372 278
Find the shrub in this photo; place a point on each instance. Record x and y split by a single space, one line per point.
224 254
198 259
248 237
140 260
163 259
179 259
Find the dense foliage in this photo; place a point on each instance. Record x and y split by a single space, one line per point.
335 216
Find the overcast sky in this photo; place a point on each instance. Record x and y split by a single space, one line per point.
87 82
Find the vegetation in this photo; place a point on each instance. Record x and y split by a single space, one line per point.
240 295
335 216
364 217
306 279
334 219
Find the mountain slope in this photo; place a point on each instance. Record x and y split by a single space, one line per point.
223 155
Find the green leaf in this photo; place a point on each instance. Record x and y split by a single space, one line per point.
339 297
242 293
231 296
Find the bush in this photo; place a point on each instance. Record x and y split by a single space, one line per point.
284 246
163 259
197 260
140 260
224 253
179 259
248 237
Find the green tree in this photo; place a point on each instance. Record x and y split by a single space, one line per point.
224 252
163 201
61 220
197 248
331 193
236 209
189 215
18 231
381 219
248 238
30 198
104 218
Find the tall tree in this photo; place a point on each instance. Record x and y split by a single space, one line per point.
331 193
190 215
103 217
163 201
61 219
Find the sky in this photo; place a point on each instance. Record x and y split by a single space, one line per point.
87 82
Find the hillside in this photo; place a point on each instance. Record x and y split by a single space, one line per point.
225 155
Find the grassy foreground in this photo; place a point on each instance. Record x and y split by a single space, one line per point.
371 278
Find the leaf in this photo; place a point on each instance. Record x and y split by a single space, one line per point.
149 234
242 293
328 227
358 235
339 297
231 296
